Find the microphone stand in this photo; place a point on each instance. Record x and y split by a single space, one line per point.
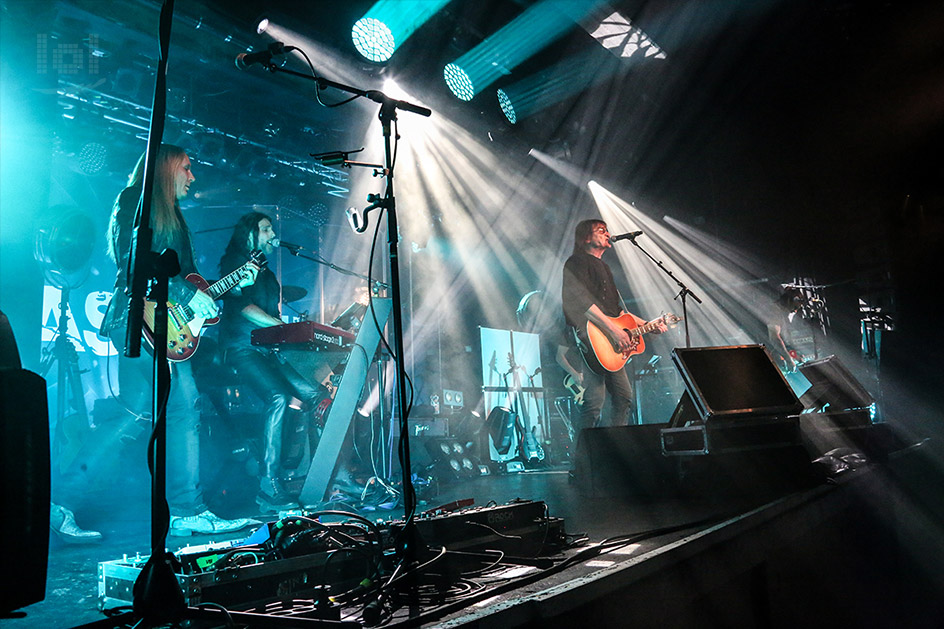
387 115
297 252
157 596
683 293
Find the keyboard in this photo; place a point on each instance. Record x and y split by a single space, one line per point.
302 334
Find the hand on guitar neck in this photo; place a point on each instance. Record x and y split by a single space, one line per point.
185 322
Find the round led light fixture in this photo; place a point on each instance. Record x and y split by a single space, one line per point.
507 108
459 82
373 39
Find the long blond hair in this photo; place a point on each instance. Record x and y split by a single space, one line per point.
166 219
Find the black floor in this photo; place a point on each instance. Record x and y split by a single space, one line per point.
111 494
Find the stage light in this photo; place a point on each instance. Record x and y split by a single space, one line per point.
459 82
373 39
262 25
507 107
388 24
556 83
536 28
93 157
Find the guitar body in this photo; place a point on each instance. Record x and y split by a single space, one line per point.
183 327
600 354
576 391
607 356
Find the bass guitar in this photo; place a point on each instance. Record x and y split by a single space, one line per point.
599 352
183 326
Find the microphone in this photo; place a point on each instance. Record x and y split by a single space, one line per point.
290 246
626 236
244 60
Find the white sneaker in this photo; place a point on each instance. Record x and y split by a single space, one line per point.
206 523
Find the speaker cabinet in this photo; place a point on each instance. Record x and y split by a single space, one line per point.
623 461
24 456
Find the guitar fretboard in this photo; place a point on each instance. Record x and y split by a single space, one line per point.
645 328
221 286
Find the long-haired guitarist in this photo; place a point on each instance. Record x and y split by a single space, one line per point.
172 180
277 383
589 294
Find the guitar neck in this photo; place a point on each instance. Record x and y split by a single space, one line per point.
224 284
645 328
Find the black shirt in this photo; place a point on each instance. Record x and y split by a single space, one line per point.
235 329
588 280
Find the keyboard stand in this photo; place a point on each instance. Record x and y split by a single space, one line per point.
324 462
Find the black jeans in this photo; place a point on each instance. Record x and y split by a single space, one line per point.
277 383
616 384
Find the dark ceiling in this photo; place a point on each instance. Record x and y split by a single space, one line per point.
769 117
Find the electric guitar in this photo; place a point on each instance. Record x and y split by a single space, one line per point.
531 450
183 326
576 391
600 354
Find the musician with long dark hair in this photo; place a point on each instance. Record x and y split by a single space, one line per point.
172 179
277 383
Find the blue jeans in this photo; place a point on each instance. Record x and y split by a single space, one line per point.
184 494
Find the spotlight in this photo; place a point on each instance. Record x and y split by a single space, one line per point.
373 39
262 25
507 108
459 82
389 23
92 158
452 398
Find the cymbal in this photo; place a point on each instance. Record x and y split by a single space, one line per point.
292 293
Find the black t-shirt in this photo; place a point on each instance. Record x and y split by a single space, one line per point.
588 280
235 329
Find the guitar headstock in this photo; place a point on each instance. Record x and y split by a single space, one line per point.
670 319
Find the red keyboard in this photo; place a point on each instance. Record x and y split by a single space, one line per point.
308 333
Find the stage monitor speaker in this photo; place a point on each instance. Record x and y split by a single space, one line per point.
832 386
734 382
24 458
623 461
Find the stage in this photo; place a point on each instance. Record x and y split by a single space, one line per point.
770 550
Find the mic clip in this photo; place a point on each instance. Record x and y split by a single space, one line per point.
334 158
359 221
